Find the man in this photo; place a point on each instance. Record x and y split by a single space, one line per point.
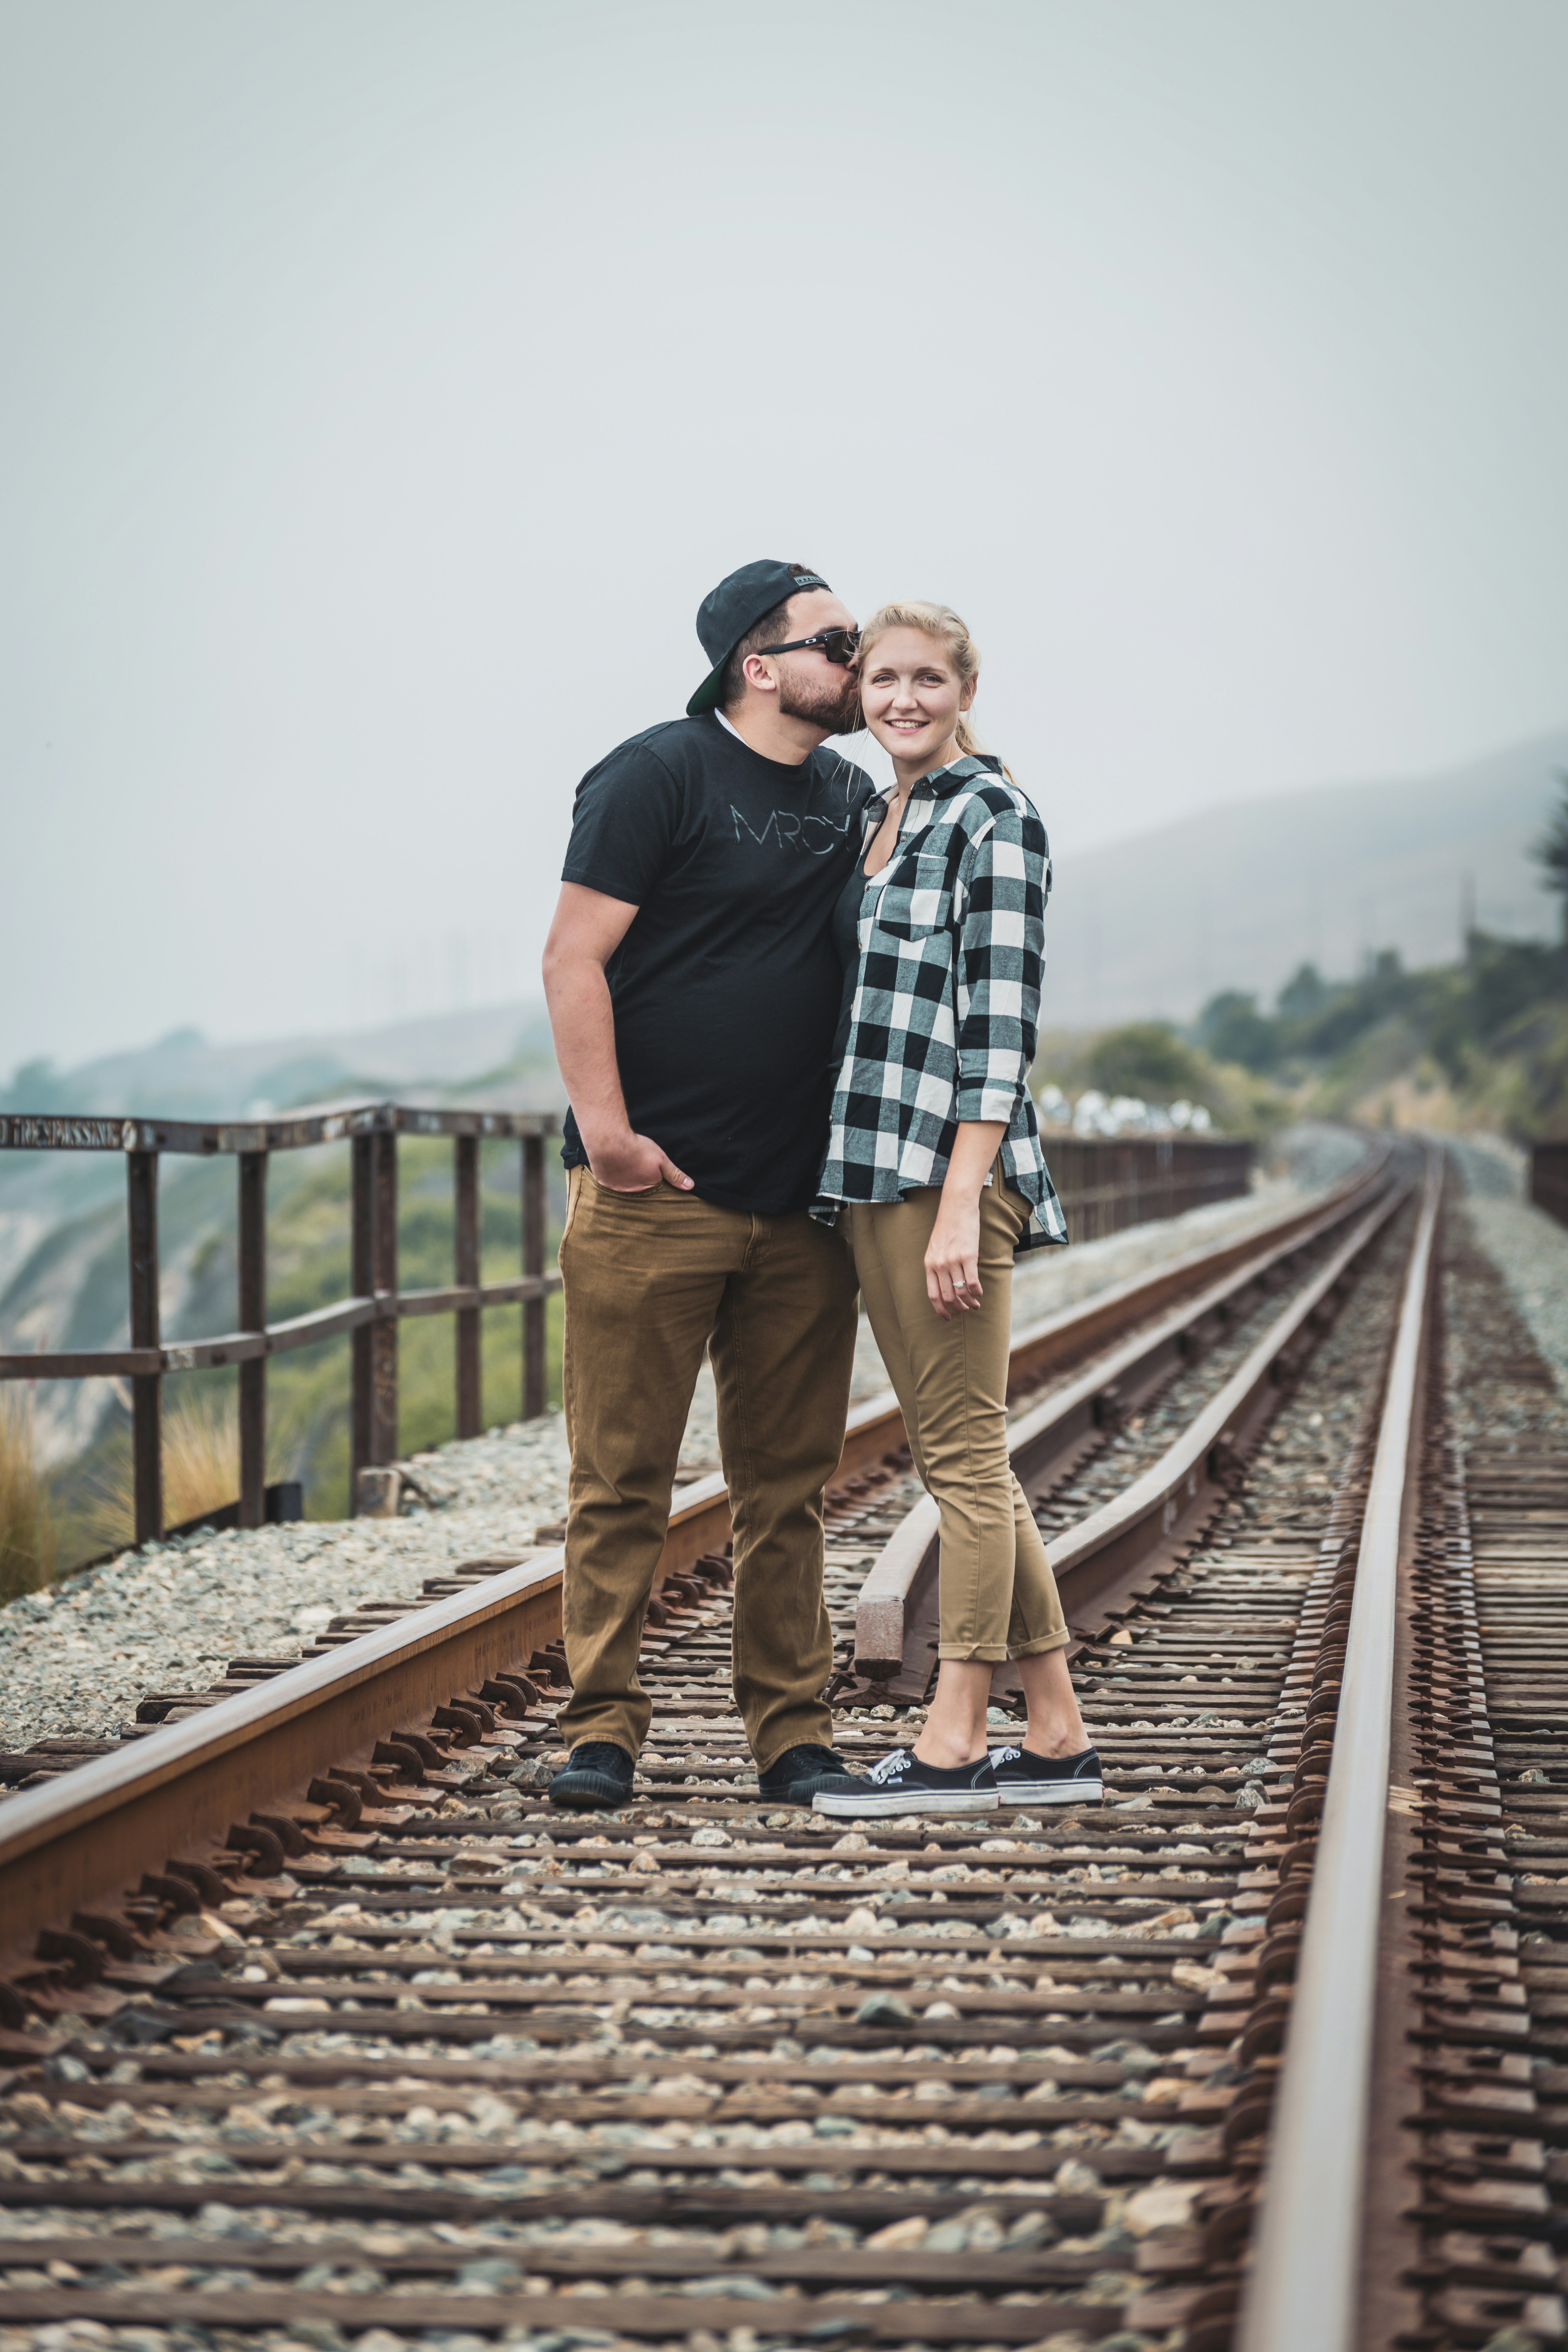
694 991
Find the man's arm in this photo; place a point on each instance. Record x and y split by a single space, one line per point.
587 930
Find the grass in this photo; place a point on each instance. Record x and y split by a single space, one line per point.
201 1461
201 1457
28 1537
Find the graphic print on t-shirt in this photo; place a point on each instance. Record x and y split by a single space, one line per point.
725 988
818 836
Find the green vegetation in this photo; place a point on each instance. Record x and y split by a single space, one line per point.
1147 1058
1550 852
1482 1043
1152 1061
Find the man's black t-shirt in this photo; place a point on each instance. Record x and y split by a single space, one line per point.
726 986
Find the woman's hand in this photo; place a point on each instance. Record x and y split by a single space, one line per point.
952 1253
952 1256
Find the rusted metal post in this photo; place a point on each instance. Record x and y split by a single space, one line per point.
253 1318
1121 1168
146 1388
533 1309
1165 1178
1549 1179
383 1332
361 1280
466 1272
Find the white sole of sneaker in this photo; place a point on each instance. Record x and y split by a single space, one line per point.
1012 1795
911 1800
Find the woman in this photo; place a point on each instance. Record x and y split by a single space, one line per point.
935 1176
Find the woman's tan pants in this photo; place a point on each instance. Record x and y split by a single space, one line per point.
998 1596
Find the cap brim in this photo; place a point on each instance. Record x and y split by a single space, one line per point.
707 694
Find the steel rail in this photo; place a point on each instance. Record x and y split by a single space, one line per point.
1302 2291
79 1836
1111 1551
1109 1555
74 1841
1058 1340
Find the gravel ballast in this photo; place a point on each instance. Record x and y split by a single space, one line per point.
1528 1248
75 1660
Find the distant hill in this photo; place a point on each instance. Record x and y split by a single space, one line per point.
1152 926
502 1051
1239 897
185 1076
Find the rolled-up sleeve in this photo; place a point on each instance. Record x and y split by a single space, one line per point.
1005 880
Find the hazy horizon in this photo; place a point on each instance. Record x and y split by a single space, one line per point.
1150 926
385 387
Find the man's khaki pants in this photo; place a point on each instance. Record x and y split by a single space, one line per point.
650 1280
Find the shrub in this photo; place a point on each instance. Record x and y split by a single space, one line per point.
1146 1058
1232 1030
1304 994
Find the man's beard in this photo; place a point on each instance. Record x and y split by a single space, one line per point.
836 707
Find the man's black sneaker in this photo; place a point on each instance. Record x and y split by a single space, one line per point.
1026 1779
794 1778
595 1779
900 1783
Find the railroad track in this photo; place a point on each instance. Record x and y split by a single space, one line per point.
319 2022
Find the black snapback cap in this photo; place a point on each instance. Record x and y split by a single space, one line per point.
737 604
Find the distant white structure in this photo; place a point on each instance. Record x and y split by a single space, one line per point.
1097 1114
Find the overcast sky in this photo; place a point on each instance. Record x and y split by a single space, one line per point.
384 385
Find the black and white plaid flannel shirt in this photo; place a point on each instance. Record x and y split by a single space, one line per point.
947 998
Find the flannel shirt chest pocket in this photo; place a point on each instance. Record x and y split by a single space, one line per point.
916 900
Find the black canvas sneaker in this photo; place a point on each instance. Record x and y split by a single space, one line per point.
596 1778
794 1778
900 1783
1023 1778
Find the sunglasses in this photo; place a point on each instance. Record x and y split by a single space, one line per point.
839 646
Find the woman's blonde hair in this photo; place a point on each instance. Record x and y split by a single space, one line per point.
939 621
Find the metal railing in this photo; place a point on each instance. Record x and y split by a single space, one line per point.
1549 1179
1105 1184
372 1312
1108 1182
